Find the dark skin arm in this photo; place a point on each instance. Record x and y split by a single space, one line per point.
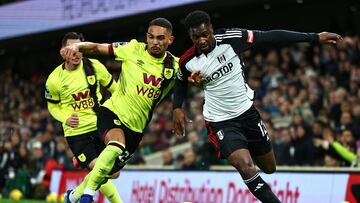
328 37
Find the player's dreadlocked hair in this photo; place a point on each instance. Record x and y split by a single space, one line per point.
71 35
162 22
196 18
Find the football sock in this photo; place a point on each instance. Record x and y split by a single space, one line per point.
76 194
103 166
110 192
260 189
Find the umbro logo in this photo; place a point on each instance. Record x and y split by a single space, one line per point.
140 62
65 87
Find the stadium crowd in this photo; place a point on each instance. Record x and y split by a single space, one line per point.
308 95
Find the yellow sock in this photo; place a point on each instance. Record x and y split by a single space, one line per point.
110 192
80 188
104 164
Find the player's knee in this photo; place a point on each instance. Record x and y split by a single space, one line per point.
269 169
115 135
245 167
91 164
115 175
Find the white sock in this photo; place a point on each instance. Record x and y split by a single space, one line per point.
89 191
73 198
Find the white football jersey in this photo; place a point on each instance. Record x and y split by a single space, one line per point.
227 95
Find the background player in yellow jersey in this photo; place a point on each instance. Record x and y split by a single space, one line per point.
147 76
73 95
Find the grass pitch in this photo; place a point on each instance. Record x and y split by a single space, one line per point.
21 201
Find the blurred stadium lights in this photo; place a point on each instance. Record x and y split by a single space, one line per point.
340 16
29 17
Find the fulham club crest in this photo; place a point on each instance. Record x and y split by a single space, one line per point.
220 134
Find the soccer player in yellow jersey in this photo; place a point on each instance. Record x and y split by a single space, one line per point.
73 95
147 76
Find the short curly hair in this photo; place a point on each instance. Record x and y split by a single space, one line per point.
162 22
196 18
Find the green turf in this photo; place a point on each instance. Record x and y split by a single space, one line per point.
21 201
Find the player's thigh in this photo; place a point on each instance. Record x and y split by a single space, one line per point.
266 162
84 148
242 161
259 143
226 137
110 126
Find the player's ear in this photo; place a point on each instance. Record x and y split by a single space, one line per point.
211 28
171 39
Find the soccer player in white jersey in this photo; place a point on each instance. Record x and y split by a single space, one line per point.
234 125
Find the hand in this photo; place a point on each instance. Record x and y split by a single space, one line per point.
328 37
69 52
196 78
73 121
179 122
321 143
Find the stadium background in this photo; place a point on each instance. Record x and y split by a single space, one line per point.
308 95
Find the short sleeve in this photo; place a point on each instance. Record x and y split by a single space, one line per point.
52 93
123 49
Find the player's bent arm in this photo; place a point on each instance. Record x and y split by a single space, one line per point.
180 92
56 112
92 48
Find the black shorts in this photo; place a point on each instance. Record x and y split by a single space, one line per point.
108 120
86 147
246 131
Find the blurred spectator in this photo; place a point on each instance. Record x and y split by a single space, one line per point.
282 145
330 161
7 162
179 161
60 154
167 157
37 162
302 146
137 159
190 160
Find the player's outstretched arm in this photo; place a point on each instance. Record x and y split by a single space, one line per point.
286 37
84 47
329 37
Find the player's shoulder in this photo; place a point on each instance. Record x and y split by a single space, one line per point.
128 44
228 33
228 30
175 57
95 62
188 54
136 44
56 73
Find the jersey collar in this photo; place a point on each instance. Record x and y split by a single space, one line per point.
198 53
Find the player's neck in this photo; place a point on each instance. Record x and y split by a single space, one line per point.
155 55
69 66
